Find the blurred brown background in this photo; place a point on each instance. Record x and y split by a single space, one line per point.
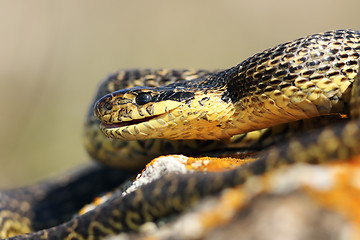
53 54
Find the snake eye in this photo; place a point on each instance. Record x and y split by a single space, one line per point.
108 106
143 98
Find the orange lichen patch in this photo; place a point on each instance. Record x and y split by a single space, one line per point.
209 163
149 238
344 196
213 164
228 205
97 201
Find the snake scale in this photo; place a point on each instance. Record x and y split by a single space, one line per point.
180 111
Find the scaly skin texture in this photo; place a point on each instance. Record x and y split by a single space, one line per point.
300 79
54 201
308 77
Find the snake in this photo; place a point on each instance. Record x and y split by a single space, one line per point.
140 114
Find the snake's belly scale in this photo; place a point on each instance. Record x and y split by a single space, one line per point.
309 77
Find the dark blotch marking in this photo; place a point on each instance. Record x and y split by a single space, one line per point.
284 65
275 81
316 77
270 70
277 54
280 73
257 75
266 78
332 74
302 59
307 73
269 89
348 70
274 62
328 59
333 51
284 85
324 68
355 55
343 56
294 69
313 64
204 99
288 57
292 50
352 63
290 77
260 68
347 48
262 85
339 65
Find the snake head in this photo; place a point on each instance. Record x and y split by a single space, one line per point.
128 113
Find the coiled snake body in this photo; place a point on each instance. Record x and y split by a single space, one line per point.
305 78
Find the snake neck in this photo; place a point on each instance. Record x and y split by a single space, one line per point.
304 78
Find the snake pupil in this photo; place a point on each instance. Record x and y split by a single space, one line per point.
143 98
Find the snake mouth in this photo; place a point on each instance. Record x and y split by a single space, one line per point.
126 123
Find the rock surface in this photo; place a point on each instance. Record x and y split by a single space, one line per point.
300 201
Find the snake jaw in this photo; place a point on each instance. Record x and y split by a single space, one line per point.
137 120
124 123
136 129
124 115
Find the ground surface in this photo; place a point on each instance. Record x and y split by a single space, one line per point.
301 201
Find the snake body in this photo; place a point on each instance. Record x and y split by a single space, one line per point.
305 78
